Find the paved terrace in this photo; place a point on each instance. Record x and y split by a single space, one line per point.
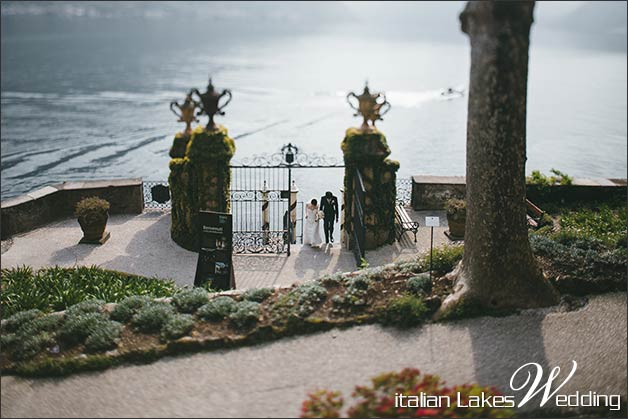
141 244
271 380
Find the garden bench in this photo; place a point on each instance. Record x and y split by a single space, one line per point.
404 222
534 214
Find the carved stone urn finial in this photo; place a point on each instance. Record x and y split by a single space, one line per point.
369 106
186 112
209 103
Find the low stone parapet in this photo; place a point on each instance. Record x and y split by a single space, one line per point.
42 206
431 192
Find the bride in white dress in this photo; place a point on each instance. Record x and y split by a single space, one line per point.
311 233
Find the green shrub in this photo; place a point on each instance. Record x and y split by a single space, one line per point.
125 309
17 320
308 297
188 301
420 284
310 293
92 209
177 326
331 280
604 223
583 256
48 323
33 331
301 301
575 240
404 311
26 346
585 266
7 340
56 288
28 333
78 327
103 337
585 249
217 309
152 317
285 308
84 307
444 259
557 178
359 282
456 209
258 294
355 293
412 267
245 315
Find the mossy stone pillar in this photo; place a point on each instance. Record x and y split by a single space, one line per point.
199 181
367 151
179 145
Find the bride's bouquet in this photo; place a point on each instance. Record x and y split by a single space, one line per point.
319 215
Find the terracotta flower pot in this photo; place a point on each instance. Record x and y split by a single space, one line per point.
94 229
456 227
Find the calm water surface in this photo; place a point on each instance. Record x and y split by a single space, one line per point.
92 105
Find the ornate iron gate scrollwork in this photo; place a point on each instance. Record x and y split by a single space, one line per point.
261 194
258 205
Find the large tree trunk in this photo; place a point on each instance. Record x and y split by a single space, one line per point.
498 270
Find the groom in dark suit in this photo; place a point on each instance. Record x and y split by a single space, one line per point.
329 206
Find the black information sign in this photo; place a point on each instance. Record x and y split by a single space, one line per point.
214 257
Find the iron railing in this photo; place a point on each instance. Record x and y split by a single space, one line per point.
359 228
404 191
154 197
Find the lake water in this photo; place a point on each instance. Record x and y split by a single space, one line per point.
88 104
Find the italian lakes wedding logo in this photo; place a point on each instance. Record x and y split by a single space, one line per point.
531 384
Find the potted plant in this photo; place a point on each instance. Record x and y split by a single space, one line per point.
456 215
92 214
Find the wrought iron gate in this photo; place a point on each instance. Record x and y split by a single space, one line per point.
267 218
260 206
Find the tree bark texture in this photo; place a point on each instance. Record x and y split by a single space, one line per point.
498 270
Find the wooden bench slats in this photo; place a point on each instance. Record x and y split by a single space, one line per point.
404 222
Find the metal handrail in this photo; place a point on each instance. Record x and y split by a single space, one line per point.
361 182
359 227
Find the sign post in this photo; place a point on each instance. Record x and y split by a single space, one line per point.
431 222
215 263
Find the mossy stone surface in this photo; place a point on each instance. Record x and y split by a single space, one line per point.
359 145
210 146
199 181
368 152
179 145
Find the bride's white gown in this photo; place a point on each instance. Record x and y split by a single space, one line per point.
311 232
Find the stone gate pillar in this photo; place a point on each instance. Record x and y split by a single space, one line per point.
199 180
367 151
179 145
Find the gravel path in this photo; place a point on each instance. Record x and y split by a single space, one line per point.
272 379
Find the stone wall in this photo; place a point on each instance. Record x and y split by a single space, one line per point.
37 208
431 192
